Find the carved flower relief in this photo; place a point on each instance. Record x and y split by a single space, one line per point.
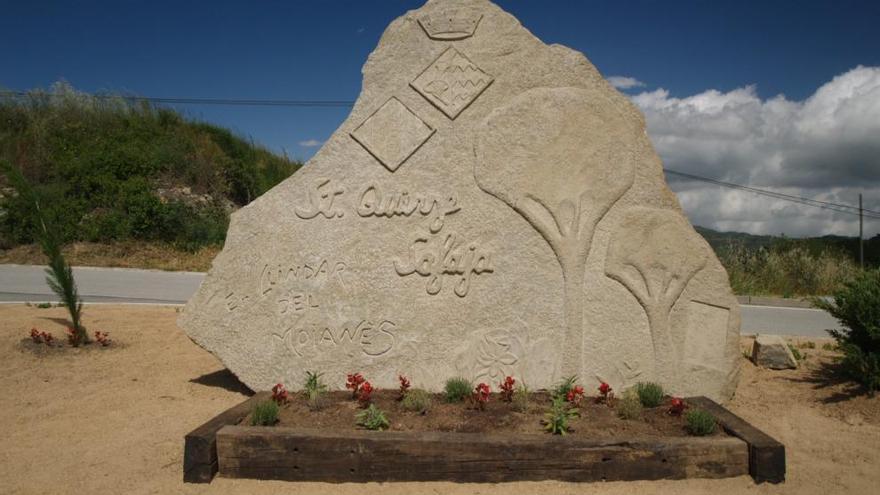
491 354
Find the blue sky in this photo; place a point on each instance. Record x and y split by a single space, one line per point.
676 50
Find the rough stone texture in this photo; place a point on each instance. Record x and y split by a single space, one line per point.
491 206
771 351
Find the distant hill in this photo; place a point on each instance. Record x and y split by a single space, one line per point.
109 169
848 246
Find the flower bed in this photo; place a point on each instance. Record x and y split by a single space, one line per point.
489 437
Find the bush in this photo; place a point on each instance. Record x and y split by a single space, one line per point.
700 423
857 307
521 398
314 390
630 406
556 420
372 418
265 414
416 400
97 165
650 394
458 389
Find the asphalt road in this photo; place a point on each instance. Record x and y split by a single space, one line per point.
24 283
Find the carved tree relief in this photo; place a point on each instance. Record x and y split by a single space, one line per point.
655 253
560 157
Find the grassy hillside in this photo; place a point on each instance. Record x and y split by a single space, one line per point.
111 170
771 265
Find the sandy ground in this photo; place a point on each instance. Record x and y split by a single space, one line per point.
112 420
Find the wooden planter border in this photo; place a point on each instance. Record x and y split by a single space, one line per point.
200 445
766 454
316 455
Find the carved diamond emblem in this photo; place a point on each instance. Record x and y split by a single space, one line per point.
452 82
392 134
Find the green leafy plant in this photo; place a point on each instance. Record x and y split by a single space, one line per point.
650 393
828 346
416 400
807 345
59 274
795 352
520 400
314 390
44 305
562 389
700 422
556 420
857 307
265 414
372 418
629 406
457 389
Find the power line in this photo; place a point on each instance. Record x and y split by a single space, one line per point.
207 101
838 207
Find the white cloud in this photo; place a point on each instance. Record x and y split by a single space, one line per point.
623 82
310 143
826 147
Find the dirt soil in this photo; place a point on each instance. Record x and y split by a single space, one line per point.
128 254
112 420
595 421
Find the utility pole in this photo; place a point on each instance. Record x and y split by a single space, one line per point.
861 241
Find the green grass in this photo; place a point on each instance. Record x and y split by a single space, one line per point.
265 414
457 389
97 165
417 400
650 394
700 423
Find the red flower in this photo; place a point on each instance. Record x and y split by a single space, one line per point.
279 394
481 395
677 406
507 388
604 388
36 336
575 395
354 382
103 338
366 391
404 385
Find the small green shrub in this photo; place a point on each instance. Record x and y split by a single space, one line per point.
372 418
857 307
795 352
629 406
564 387
700 422
520 399
314 390
556 420
416 400
828 346
44 305
265 414
650 393
458 389
807 345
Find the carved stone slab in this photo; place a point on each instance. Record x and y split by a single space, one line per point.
490 207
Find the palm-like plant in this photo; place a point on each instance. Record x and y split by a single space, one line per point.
59 275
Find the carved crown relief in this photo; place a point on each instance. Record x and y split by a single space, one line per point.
655 253
450 25
559 159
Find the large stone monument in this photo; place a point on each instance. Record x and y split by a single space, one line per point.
491 207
